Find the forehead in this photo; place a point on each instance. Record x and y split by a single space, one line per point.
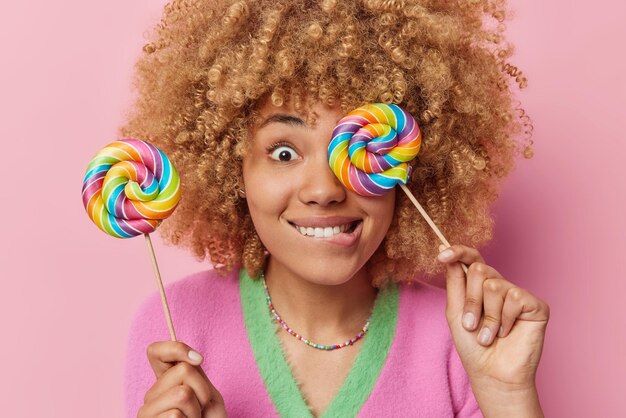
306 114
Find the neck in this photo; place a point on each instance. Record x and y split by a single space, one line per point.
321 311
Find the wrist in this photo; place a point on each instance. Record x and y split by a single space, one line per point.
511 402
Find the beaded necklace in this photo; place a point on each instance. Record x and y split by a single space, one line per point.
304 340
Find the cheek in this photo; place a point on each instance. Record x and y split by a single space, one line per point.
383 213
266 193
384 209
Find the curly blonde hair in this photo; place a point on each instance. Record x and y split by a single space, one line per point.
210 64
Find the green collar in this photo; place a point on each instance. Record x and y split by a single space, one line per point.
277 375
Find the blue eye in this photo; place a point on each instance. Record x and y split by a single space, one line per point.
284 153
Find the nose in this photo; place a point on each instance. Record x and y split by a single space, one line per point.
319 185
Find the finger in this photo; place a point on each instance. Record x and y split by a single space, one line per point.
180 398
461 253
472 310
455 276
521 304
172 413
215 411
163 355
494 293
215 397
182 374
476 275
455 288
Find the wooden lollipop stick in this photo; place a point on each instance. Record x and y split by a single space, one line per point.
421 210
166 308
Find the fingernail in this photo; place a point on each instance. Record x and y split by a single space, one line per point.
468 320
445 255
195 357
500 331
484 336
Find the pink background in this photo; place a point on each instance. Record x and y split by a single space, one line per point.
68 291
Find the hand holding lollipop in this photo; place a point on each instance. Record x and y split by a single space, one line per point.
370 149
130 186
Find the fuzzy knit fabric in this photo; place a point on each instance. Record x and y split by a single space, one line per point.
275 366
410 368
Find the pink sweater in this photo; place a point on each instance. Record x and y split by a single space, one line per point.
420 372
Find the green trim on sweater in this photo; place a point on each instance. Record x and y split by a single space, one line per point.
277 376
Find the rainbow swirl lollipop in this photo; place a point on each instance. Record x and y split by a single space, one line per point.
371 146
130 186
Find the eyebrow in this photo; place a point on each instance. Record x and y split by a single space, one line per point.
283 118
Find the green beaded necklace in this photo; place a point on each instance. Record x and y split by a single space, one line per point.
304 340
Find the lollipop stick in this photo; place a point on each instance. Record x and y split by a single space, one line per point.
166 308
421 210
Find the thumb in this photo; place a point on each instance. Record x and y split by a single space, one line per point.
455 286
163 355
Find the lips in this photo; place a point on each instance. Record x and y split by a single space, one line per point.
340 230
327 231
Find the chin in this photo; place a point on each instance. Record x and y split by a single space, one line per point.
326 273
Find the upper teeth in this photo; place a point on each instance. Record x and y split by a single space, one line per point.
326 232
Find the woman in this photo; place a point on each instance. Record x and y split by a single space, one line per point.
328 315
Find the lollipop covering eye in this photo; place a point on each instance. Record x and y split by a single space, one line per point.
130 186
370 148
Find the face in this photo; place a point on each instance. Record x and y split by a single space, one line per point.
312 226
